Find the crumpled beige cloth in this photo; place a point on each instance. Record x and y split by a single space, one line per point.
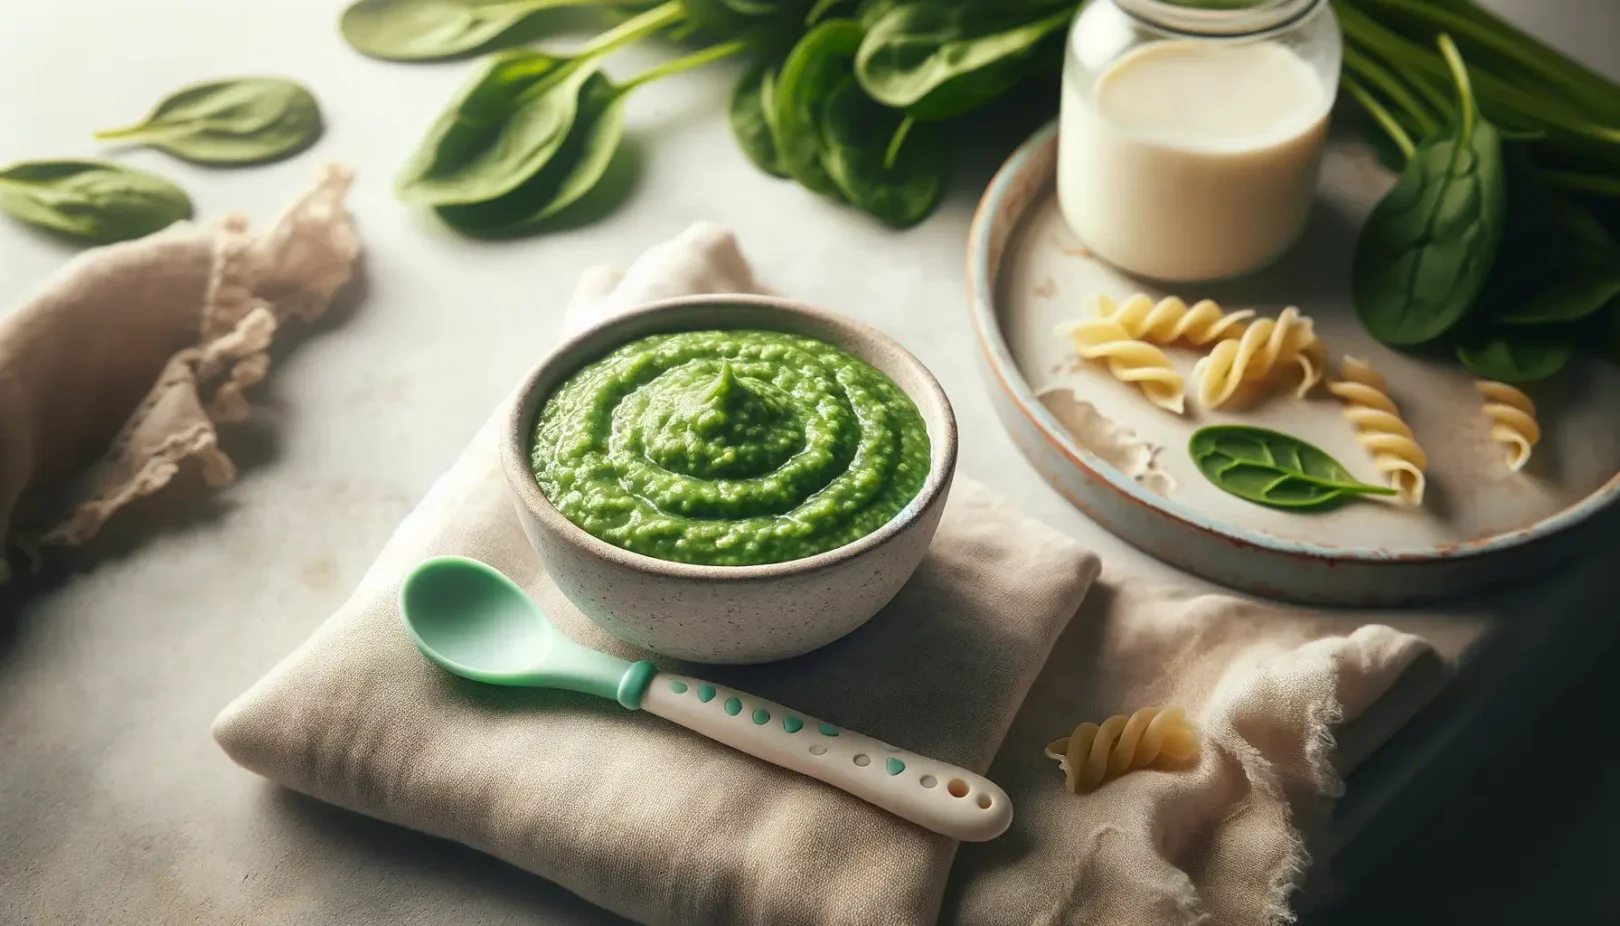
665 827
119 368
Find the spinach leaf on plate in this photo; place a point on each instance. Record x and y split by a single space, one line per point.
1521 355
90 200
242 120
1272 468
1425 252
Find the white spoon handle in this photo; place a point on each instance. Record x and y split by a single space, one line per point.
932 794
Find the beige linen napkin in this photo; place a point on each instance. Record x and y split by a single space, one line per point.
119 368
665 827
625 809
1224 842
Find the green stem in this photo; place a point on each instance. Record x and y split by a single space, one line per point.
1583 183
1374 72
893 153
630 30
1465 89
686 63
1382 116
1511 44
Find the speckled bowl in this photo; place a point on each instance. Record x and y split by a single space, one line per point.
731 614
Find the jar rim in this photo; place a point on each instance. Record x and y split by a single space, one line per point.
1258 16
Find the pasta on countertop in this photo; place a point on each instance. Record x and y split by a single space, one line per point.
1380 428
1094 754
1513 420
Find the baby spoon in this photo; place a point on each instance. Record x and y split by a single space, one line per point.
473 621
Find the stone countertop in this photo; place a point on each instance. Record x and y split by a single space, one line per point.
115 804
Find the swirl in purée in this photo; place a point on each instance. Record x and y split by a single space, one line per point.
729 448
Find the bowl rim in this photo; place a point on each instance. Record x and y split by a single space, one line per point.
525 404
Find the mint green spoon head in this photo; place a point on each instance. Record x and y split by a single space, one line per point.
472 621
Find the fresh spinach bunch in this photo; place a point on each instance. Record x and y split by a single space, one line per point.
1272 468
1475 251
91 201
836 140
245 120
938 60
1424 253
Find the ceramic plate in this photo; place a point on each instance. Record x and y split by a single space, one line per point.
1125 462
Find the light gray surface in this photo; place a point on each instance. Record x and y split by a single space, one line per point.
115 805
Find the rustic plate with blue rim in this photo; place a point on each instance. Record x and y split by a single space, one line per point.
1124 462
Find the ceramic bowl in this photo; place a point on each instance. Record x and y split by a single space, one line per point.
731 614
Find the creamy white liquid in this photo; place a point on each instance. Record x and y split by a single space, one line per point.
1193 160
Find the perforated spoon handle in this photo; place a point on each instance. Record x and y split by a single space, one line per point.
932 794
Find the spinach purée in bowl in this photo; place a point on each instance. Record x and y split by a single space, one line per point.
729 448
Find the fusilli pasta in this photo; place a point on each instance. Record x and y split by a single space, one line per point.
1129 360
1265 345
1513 420
1170 320
1093 754
1379 427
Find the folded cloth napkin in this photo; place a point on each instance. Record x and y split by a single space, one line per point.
627 810
665 827
117 371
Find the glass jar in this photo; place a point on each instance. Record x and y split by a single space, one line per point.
1191 137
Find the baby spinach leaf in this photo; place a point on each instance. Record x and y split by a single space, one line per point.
939 60
768 23
899 185
244 120
426 30
500 130
1271 468
592 138
1556 263
1424 254
90 200
751 113
822 59
1517 356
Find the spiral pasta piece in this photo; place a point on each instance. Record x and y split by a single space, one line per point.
1265 345
1380 429
1170 320
1513 420
1129 360
1094 753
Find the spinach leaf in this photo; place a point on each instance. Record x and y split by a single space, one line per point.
242 120
592 138
1424 254
1271 468
91 201
1556 264
939 60
1517 356
500 130
426 30
764 23
751 114
837 141
821 60
883 164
